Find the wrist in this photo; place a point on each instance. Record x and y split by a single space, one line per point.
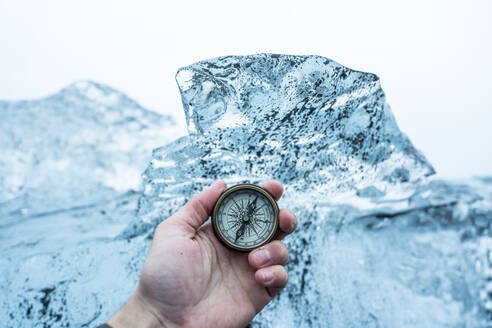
136 313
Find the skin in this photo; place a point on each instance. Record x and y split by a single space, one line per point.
190 279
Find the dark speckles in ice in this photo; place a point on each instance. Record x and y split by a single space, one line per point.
325 131
287 106
377 243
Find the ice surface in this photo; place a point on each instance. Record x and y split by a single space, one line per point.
317 126
380 242
85 144
69 183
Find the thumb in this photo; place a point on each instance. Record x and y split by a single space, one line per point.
198 209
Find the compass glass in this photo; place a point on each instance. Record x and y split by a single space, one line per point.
246 217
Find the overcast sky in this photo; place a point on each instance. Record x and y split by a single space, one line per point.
433 57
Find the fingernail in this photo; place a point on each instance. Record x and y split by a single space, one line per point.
261 257
266 275
293 224
216 183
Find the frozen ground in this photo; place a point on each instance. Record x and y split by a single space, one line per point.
381 242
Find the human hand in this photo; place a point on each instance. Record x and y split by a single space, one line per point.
190 279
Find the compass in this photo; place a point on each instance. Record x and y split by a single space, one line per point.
245 217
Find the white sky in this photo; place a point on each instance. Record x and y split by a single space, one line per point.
433 57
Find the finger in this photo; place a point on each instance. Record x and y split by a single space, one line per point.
274 188
272 291
273 276
270 254
198 209
287 223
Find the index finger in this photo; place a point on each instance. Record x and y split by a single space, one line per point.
274 188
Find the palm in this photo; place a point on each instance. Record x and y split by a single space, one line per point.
195 281
215 283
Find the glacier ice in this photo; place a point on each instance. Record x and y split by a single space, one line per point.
69 183
381 242
85 144
317 126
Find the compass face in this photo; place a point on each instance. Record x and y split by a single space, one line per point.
245 217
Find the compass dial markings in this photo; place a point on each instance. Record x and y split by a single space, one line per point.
240 228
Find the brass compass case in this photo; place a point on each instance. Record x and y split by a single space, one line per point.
245 217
